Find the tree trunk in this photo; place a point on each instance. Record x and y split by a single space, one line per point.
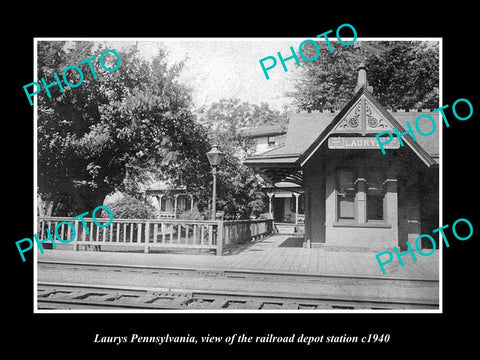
44 207
40 208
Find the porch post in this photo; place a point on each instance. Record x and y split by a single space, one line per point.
412 211
191 202
308 216
270 195
362 200
296 207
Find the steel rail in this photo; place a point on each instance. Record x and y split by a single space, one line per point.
87 296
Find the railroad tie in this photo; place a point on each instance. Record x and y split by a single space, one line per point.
290 305
252 304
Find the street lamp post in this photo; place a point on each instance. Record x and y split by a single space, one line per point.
215 157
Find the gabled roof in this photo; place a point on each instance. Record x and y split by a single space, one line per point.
308 131
391 123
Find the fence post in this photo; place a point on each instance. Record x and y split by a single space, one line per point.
147 235
219 238
75 245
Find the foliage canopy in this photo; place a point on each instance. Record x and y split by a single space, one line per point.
404 74
103 135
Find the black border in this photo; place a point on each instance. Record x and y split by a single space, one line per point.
74 334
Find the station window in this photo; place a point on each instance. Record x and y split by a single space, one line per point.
346 191
360 195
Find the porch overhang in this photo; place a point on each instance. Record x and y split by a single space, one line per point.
277 168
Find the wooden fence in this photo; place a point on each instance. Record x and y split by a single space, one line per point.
153 233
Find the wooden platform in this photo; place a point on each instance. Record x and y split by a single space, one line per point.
278 253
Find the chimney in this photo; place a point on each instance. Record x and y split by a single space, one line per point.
362 79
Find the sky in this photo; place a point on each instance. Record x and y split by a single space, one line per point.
230 68
219 68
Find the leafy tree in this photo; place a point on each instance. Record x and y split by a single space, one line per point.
241 195
404 74
105 134
114 132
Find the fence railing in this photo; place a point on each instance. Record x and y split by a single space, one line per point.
241 231
153 233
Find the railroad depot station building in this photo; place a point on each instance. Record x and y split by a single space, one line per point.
353 196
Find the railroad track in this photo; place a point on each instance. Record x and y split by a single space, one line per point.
60 295
78 296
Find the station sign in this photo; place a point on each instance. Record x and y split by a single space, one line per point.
359 142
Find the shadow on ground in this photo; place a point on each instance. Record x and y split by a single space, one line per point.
292 242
